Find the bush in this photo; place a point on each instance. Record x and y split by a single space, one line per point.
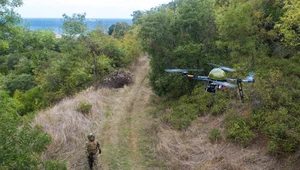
221 103
30 101
20 144
84 107
280 127
238 130
183 115
187 109
215 135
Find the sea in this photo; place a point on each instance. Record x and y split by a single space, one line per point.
55 24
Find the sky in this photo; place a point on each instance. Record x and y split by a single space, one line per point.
93 8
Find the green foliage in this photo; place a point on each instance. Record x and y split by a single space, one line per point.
111 29
74 25
131 47
84 107
289 26
20 144
32 100
281 127
136 16
21 82
187 109
4 46
102 44
238 129
24 66
55 165
120 29
8 15
180 37
221 102
215 135
8 105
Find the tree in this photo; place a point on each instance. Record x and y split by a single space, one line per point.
7 14
74 25
120 29
20 144
111 29
136 16
177 35
289 26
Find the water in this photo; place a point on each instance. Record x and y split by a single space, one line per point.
56 23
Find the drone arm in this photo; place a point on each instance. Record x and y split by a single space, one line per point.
196 77
203 78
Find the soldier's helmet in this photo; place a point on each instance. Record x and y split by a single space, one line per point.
91 135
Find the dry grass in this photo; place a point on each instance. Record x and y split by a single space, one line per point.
69 128
192 149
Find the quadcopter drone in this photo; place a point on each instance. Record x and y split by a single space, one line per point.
217 78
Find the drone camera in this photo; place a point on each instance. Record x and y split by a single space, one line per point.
210 89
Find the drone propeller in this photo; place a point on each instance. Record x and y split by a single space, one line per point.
199 70
176 70
225 84
222 67
181 70
250 78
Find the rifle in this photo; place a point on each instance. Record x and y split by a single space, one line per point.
91 160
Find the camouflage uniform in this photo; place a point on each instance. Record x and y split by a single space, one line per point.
92 149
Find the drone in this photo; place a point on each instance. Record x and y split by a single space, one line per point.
217 78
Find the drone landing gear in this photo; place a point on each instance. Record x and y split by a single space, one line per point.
211 88
240 87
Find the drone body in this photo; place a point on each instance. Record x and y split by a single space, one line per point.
217 78
217 74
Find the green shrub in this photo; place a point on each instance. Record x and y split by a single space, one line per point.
220 106
84 107
283 131
187 109
30 101
183 115
215 135
20 144
238 130
21 82
55 165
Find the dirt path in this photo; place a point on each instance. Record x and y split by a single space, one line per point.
121 132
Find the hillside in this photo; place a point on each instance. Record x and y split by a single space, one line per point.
116 119
132 139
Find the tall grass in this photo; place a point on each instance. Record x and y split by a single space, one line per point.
69 128
192 149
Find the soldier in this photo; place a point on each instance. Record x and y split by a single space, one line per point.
92 147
